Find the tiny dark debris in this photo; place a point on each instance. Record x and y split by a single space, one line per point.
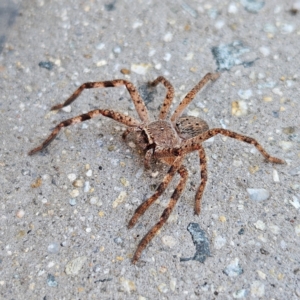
46 65
103 280
241 231
263 251
200 241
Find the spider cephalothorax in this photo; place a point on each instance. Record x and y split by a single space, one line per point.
168 139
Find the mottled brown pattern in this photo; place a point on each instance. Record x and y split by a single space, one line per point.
168 140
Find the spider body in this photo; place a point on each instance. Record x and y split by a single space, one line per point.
167 139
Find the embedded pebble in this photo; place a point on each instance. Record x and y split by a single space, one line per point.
119 199
140 69
253 6
219 242
258 194
77 183
95 201
86 187
128 285
20 213
233 269
75 265
287 28
131 145
297 229
89 173
53 248
245 94
274 228
267 99
101 63
295 202
74 193
72 202
232 8
261 274
277 91
169 241
265 51
67 108
51 281
163 288
285 145
124 181
167 56
240 294
260 225
239 108
275 176
118 241
173 284
168 37
257 289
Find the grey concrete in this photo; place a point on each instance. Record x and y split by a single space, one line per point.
62 240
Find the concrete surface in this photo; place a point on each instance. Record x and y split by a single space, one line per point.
63 231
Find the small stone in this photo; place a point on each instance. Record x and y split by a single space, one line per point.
295 171
285 145
119 199
131 144
168 37
252 6
233 269
232 8
261 274
67 108
53 248
219 242
72 177
274 228
275 176
245 94
297 230
240 294
89 173
222 219
239 108
260 225
101 63
125 71
140 69
277 91
258 194
163 288
169 241
74 193
295 202
128 285
124 181
265 51
20 213
173 284
74 266
118 241
46 65
77 183
267 99
72 202
257 289
86 187
51 281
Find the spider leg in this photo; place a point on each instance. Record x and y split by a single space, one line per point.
129 121
203 173
165 215
191 95
194 143
169 97
161 188
137 100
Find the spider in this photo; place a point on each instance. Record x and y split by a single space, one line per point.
168 140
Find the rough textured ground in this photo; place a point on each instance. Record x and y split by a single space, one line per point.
63 231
